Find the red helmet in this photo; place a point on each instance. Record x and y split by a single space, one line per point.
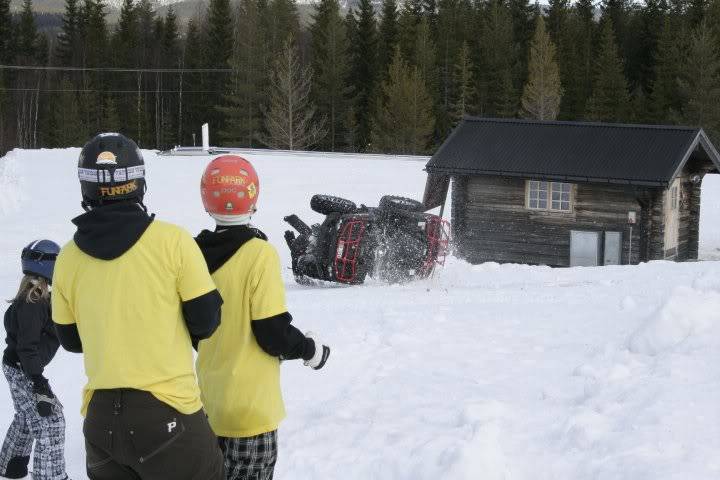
229 186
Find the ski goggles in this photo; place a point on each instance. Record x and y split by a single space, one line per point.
28 254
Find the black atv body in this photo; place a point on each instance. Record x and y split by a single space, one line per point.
394 242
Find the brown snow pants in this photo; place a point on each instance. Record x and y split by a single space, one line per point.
131 435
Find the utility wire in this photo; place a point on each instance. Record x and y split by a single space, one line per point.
61 90
118 70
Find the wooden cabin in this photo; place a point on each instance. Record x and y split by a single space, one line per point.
572 193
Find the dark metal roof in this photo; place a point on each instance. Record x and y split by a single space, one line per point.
575 151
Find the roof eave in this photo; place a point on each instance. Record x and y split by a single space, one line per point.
531 175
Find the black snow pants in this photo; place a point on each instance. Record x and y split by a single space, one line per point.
131 435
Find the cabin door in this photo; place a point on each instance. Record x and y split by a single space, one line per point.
584 248
672 219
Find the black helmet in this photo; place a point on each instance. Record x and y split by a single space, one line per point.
111 168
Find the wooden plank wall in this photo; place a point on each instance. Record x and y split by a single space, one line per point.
655 213
689 240
491 222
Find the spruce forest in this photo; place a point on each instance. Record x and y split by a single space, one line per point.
390 77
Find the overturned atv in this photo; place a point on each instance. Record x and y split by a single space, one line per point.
394 242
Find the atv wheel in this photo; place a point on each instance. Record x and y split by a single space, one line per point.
327 204
392 202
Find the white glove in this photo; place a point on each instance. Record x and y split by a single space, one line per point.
322 352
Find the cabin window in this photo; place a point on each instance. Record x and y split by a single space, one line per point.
538 195
554 196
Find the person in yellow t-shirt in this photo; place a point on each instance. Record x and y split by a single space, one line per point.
238 368
132 294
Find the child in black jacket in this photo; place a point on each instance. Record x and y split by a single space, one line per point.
31 345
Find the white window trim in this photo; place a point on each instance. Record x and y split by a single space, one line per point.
549 197
675 197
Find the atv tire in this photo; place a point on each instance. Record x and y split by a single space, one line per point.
393 202
327 204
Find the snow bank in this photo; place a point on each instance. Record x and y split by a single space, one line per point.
687 313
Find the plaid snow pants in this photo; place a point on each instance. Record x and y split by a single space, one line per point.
250 458
28 426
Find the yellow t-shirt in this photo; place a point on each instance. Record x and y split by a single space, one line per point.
240 383
129 315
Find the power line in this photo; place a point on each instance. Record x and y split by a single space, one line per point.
118 70
87 90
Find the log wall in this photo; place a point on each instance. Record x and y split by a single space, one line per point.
492 223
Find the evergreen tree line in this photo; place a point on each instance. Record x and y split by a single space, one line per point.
396 79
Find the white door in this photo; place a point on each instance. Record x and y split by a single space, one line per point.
584 248
613 248
672 218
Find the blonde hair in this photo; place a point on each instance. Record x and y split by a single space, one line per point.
32 289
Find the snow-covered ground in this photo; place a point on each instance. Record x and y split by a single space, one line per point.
484 372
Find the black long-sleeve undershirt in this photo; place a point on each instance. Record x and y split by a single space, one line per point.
277 337
202 315
69 337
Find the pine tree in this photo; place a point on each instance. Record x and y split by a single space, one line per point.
425 56
455 29
388 35
425 59
700 83
404 123
651 20
462 87
125 39
192 106
610 98
696 12
94 34
243 102
281 21
125 51
363 72
218 34
522 15
561 23
68 129
411 12
68 38
111 119
27 35
496 96
576 61
291 122
542 93
331 69
218 48
713 18
92 52
557 17
430 13
42 50
664 103
617 12
6 33
170 47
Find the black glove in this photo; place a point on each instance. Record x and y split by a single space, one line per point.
322 352
44 397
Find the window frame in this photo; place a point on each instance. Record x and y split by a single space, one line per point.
549 189
675 197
